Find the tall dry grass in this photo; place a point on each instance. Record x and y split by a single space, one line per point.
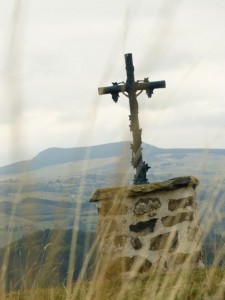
207 283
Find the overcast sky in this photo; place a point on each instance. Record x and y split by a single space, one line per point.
54 54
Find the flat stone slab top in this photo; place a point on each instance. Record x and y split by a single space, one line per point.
168 185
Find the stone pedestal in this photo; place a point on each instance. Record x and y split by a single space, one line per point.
150 226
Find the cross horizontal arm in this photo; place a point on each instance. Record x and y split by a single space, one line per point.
136 87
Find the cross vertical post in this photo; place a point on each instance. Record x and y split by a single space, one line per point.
137 160
130 89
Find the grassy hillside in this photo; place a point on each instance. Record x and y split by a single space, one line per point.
42 259
56 196
62 264
190 285
55 193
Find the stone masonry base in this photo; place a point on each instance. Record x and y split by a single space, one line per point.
151 226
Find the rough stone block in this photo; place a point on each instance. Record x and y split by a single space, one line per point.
181 258
144 264
167 242
126 264
180 203
193 233
173 220
117 194
151 215
136 243
144 227
146 205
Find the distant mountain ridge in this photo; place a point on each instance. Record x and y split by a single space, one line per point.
57 184
55 156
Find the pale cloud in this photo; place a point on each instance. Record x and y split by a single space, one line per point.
69 48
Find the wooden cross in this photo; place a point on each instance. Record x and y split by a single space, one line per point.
132 89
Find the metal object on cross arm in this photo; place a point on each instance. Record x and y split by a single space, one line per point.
132 89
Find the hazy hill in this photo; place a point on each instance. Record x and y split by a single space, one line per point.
53 189
55 156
